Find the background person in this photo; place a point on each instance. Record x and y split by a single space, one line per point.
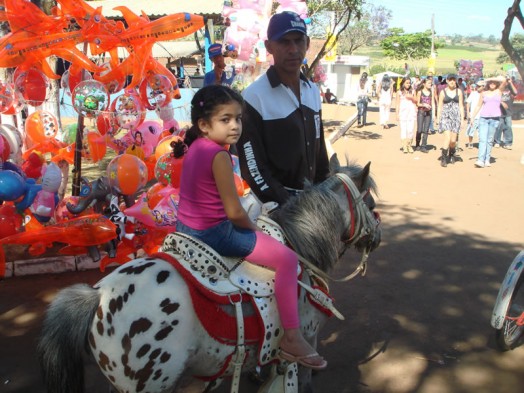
425 112
283 140
471 103
504 134
218 75
362 99
385 97
450 118
406 109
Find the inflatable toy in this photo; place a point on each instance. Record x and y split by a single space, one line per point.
41 126
127 174
31 87
90 98
7 96
14 139
128 111
10 220
61 212
46 199
96 144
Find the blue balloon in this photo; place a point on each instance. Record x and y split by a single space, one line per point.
12 185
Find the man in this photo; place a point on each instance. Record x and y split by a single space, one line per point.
282 142
218 75
504 134
471 103
330 97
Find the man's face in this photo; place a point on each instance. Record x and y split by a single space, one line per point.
219 62
289 51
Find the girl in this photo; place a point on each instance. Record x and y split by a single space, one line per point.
385 94
490 113
450 118
406 113
425 104
210 210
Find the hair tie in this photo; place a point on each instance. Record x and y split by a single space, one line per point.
201 103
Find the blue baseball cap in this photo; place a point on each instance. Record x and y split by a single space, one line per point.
283 23
214 50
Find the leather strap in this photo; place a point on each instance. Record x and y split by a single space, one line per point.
240 354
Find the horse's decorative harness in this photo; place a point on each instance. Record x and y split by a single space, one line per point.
231 277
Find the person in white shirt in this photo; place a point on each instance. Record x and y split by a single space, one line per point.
471 104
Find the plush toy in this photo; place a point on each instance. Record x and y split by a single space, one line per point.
45 202
34 165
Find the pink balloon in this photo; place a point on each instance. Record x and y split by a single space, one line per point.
145 136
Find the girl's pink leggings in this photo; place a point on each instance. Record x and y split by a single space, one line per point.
271 253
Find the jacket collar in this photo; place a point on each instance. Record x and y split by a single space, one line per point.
274 79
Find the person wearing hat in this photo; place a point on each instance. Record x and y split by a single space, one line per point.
282 143
489 109
218 75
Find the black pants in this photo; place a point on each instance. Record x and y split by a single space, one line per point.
423 120
362 106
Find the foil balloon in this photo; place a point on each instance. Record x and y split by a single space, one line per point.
90 98
31 87
7 96
127 174
41 126
128 110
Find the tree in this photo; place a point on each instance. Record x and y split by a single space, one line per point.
517 42
514 52
344 12
372 26
409 47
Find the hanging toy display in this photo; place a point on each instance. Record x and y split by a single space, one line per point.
90 98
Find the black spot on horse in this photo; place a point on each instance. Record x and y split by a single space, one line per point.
126 344
112 306
141 325
168 307
136 269
165 357
131 289
162 276
155 354
100 328
144 349
92 341
163 333
158 374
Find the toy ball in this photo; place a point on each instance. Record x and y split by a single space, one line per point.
31 86
12 186
128 110
156 90
41 126
164 145
7 97
62 213
10 221
127 174
14 139
5 149
90 97
168 170
72 77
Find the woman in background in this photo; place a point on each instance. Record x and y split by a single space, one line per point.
425 101
406 113
385 96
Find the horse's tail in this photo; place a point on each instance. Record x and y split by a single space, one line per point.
63 341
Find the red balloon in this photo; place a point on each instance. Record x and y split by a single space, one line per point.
5 149
168 170
32 86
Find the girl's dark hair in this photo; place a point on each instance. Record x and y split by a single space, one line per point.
406 78
204 105
386 82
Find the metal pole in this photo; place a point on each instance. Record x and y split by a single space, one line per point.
77 169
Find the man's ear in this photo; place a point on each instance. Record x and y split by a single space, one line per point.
267 44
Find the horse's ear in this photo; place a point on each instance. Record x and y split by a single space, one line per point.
364 174
334 164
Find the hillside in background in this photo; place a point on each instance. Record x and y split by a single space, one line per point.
446 58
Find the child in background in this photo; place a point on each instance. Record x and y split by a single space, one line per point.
210 210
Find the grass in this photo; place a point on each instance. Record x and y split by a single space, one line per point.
446 58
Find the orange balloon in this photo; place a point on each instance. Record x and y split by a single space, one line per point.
127 174
97 146
164 146
150 164
41 126
153 194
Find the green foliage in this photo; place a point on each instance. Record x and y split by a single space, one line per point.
517 41
402 46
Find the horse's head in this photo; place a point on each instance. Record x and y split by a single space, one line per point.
363 222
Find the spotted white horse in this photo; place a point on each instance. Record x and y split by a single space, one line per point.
190 313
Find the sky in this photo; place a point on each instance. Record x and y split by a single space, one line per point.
464 17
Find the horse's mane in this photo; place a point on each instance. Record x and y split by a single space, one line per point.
312 220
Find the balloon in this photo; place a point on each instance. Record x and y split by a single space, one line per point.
168 170
10 221
32 87
7 97
145 136
16 105
127 174
44 204
156 90
90 97
156 192
105 123
128 110
72 77
41 126
5 149
61 212
97 146
14 138
69 133
164 146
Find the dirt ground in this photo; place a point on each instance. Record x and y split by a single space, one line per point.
419 321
